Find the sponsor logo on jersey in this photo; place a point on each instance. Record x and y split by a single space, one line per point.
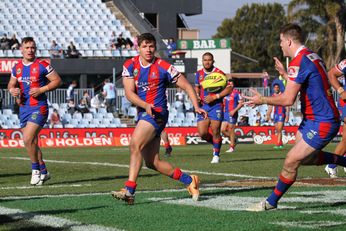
342 65
293 71
19 71
135 72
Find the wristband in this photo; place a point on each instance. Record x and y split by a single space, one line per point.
218 96
263 100
340 90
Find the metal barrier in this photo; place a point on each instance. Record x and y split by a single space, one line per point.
59 96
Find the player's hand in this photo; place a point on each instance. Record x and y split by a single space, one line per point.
343 96
34 92
279 66
256 99
149 109
14 92
202 112
209 98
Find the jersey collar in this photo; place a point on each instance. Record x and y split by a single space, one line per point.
299 50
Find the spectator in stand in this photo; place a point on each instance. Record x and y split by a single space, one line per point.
125 105
109 94
54 119
128 44
55 51
72 51
121 42
14 43
113 41
87 97
83 106
135 43
71 107
243 121
70 90
4 43
97 101
171 46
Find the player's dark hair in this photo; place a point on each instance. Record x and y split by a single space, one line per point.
27 39
293 31
146 37
276 84
208 54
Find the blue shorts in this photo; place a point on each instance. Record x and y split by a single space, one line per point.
279 118
215 112
342 111
318 134
34 114
230 119
159 121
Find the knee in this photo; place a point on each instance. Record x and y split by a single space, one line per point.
291 165
203 135
28 141
151 164
135 147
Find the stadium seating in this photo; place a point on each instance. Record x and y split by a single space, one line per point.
87 23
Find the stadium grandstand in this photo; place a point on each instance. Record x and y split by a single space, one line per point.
89 24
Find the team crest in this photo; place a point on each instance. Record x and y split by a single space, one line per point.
293 71
19 71
135 72
153 75
34 115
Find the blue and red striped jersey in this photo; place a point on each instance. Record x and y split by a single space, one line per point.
342 68
279 110
309 70
32 75
231 101
199 77
151 80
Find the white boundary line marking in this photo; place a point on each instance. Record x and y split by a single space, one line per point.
127 166
51 221
46 186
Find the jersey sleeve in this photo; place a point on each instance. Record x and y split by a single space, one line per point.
128 69
172 73
47 68
342 66
197 79
13 72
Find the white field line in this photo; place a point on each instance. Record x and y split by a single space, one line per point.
127 166
108 193
46 186
51 221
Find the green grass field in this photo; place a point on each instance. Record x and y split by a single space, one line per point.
78 195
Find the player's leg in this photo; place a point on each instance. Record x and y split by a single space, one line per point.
341 147
279 128
231 137
143 134
203 130
168 146
43 169
224 128
217 140
30 132
151 156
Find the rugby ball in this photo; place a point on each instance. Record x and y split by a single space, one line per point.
214 82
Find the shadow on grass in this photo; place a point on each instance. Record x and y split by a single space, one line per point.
26 216
15 174
105 178
254 159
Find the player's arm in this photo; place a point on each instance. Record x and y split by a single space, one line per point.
285 99
287 114
54 83
11 86
240 105
333 75
269 112
131 95
186 86
211 97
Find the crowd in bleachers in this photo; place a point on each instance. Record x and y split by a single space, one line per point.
85 23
